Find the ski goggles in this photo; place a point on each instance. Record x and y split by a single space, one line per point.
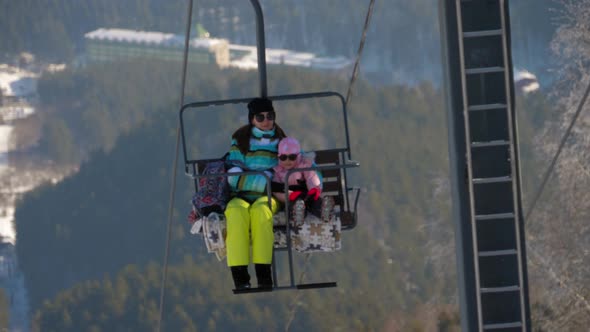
291 157
270 116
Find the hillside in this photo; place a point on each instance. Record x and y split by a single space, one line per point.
113 212
91 247
105 225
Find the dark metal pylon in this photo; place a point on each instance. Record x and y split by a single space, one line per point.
485 172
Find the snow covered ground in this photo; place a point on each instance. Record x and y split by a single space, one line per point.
6 225
17 82
11 277
10 189
11 113
7 233
18 88
5 132
16 180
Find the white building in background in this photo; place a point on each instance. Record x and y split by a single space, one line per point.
246 57
117 44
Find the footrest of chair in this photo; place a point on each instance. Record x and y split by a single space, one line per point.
252 290
317 285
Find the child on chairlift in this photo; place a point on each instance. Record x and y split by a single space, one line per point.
305 187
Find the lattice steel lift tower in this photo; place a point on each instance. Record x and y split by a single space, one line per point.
485 171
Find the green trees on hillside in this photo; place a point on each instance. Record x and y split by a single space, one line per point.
60 142
97 104
55 31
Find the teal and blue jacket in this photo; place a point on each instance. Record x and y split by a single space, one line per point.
261 156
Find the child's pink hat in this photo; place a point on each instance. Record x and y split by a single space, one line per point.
289 145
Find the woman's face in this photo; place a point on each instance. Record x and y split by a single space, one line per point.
288 161
264 120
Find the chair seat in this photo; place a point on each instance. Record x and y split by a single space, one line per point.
314 235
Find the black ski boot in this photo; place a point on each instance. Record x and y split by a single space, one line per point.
241 277
263 275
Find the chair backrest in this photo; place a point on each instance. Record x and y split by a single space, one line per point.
334 184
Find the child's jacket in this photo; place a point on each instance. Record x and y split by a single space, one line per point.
311 178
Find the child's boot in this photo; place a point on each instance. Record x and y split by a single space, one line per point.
298 212
327 208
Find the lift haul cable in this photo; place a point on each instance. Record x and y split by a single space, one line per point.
174 167
360 51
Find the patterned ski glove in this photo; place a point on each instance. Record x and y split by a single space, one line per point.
314 193
294 195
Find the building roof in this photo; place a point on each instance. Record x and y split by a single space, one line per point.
277 56
150 37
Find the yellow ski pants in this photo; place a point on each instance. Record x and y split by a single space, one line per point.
249 223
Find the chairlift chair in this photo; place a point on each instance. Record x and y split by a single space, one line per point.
333 163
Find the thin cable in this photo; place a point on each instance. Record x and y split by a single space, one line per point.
348 94
554 161
359 52
174 166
